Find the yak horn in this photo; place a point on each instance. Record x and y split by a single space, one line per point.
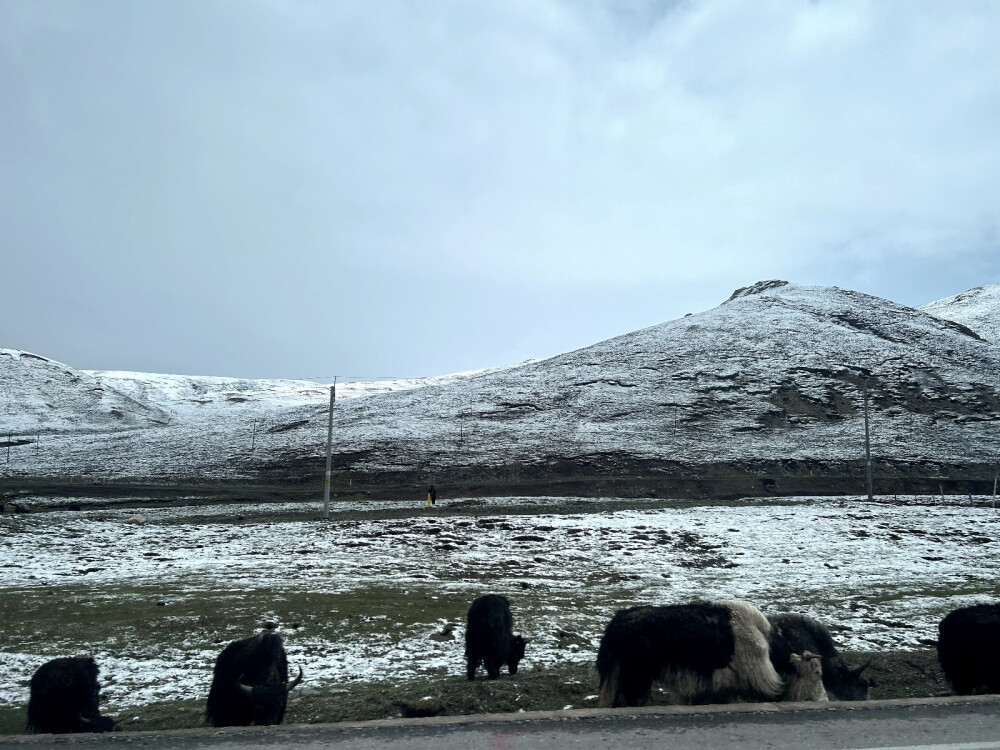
294 683
243 688
863 667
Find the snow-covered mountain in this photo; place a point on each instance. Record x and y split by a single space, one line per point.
976 309
41 396
773 375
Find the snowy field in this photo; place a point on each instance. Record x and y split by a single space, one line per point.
385 598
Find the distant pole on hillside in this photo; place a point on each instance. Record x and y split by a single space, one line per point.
868 446
329 452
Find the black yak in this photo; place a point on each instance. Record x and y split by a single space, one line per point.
969 649
702 652
64 696
794 633
250 683
490 639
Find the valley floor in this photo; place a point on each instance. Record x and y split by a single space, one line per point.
371 603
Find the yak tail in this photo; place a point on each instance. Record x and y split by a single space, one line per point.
609 693
752 656
609 660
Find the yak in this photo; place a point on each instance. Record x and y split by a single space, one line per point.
806 684
969 648
64 697
250 683
490 639
703 652
795 633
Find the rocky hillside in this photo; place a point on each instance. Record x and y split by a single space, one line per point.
769 383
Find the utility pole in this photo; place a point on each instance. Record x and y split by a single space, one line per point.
329 452
868 447
253 437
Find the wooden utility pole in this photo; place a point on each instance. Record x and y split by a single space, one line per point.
329 452
253 436
868 446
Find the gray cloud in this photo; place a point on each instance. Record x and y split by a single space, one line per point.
276 189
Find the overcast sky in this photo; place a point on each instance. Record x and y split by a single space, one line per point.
306 189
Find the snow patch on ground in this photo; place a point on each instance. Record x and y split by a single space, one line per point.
881 574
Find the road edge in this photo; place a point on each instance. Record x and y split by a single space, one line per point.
512 718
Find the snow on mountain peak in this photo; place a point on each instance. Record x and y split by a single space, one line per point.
758 288
977 309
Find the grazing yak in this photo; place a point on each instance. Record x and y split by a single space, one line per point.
64 696
490 639
806 684
794 633
250 683
969 649
703 652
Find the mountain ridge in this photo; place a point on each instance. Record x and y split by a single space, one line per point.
776 373
976 309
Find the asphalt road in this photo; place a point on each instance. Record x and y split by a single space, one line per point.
928 724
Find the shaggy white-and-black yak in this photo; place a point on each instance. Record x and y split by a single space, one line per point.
705 652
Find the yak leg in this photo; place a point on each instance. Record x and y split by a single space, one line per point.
634 683
492 667
472 666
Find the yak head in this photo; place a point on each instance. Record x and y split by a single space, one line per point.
851 684
808 665
95 724
269 699
516 653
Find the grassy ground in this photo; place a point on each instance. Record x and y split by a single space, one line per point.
163 614
907 674
147 621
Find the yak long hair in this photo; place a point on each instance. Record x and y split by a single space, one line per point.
702 652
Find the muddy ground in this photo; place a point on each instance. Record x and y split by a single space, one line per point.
900 674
